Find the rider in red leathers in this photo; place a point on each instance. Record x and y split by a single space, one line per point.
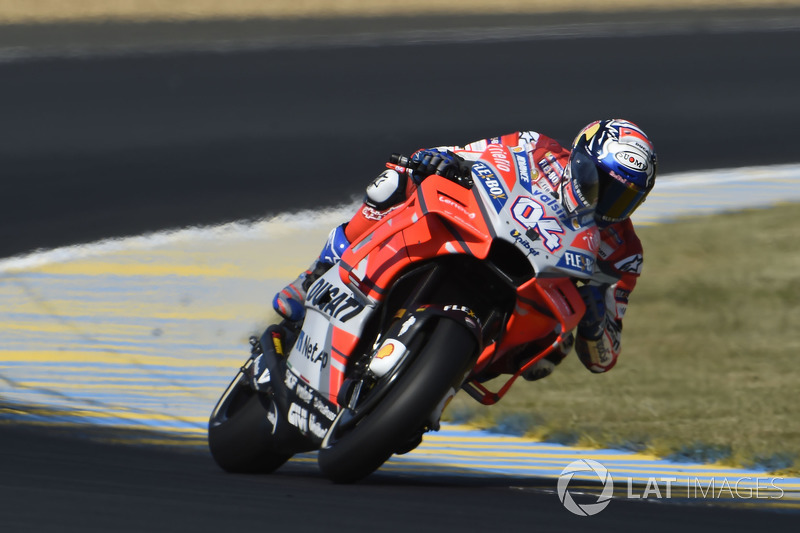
612 163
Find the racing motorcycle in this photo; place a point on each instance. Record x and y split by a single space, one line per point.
473 278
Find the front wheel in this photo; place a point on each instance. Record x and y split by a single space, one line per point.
240 431
354 453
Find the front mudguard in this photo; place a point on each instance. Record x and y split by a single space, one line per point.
392 349
410 323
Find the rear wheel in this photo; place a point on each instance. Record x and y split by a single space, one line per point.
353 452
239 430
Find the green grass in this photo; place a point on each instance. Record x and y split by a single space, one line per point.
709 364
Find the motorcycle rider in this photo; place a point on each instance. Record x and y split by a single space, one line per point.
611 166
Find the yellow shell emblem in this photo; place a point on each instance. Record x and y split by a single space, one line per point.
385 351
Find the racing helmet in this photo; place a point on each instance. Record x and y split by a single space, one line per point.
612 168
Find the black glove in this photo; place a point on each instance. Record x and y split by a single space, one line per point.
440 162
592 325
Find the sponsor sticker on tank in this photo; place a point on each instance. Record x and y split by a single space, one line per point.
491 183
523 168
578 262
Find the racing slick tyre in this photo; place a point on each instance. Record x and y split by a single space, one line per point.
239 432
351 454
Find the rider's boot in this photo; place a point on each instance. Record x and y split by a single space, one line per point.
289 302
545 366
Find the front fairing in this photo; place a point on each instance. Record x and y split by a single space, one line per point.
556 243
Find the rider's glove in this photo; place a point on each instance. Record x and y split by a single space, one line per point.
434 161
592 325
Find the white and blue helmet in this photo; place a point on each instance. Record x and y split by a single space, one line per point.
613 167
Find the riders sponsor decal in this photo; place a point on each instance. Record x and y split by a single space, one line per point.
309 421
523 167
311 350
462 308
452 203
632 160
333 301
588 240
550 202
315 428
471 319
500 157
370 213
579 221
554 163
553 174
290 380
524 243
323 409
577 261
298 417
491 183
389 354
632 264
530 214
304 393
385 351
410 321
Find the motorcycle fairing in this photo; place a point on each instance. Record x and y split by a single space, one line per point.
441 218
445 218
335 318
299 416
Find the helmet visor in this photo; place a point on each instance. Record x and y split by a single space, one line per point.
617 200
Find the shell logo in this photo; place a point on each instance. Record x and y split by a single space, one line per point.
385 351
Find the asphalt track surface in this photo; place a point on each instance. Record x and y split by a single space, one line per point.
121 142
118 139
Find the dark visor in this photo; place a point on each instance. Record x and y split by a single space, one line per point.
617 200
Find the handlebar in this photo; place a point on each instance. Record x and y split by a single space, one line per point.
402 163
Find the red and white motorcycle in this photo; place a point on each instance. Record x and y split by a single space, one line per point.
474 277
